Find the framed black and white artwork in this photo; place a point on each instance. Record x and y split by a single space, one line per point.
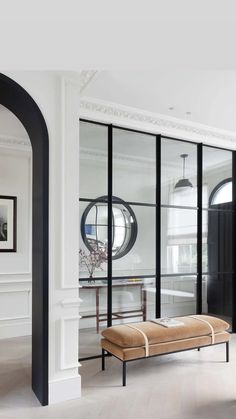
8 219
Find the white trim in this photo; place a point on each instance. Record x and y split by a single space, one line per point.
16 281
17 291
109 112
86 76
15 143
121 159
18 273
63 364
14 290
64 389
70 133
16 329
71 302
4 319
30 207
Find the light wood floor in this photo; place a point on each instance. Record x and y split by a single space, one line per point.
188 385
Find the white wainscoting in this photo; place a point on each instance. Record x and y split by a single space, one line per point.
15 305
68 326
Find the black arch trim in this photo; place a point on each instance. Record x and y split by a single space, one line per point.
218 186
18 101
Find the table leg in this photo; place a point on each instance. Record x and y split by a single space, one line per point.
144 304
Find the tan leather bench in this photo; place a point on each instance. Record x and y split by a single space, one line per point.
134 341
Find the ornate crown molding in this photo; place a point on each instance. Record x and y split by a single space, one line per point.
16 143
86 77
158 124
119 159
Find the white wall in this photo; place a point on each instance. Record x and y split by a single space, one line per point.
15 180
15 268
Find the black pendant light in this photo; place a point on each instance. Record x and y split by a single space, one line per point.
183 183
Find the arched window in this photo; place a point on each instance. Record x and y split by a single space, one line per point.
222 193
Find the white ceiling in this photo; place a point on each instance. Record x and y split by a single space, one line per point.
210 96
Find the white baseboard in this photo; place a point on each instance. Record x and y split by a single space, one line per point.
64 389
15 330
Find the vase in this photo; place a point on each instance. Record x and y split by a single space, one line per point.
91 280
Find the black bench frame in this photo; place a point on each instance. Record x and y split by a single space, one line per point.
124 370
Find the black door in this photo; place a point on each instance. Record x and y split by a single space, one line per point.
220 260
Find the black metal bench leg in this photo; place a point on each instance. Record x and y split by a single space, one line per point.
103 360
124 373
198 349
227 351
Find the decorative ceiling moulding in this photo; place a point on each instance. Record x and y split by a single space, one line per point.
86 77
16 143
101 157
128 117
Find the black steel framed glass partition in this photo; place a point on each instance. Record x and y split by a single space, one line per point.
159 203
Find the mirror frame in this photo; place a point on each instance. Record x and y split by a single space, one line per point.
134 225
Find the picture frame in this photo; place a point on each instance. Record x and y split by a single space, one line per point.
8 223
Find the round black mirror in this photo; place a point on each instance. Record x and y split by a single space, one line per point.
94 226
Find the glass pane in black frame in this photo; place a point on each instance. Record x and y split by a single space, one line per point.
141 259
178 295
217 241
92 260
217 296
93 311
134 166
178 241
133 300
178 173
217 169
93 172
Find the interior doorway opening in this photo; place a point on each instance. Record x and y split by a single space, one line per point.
17 101
15 261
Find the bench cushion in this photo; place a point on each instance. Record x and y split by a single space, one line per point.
126 354
126 337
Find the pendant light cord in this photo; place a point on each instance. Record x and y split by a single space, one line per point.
184 156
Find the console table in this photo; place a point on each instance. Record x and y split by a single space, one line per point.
124 314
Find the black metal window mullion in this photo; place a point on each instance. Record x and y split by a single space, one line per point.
96 223
199 229
113 229
109 232
158 226
234 244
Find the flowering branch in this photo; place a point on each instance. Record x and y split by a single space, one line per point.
93 260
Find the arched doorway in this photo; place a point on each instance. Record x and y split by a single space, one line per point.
18 101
